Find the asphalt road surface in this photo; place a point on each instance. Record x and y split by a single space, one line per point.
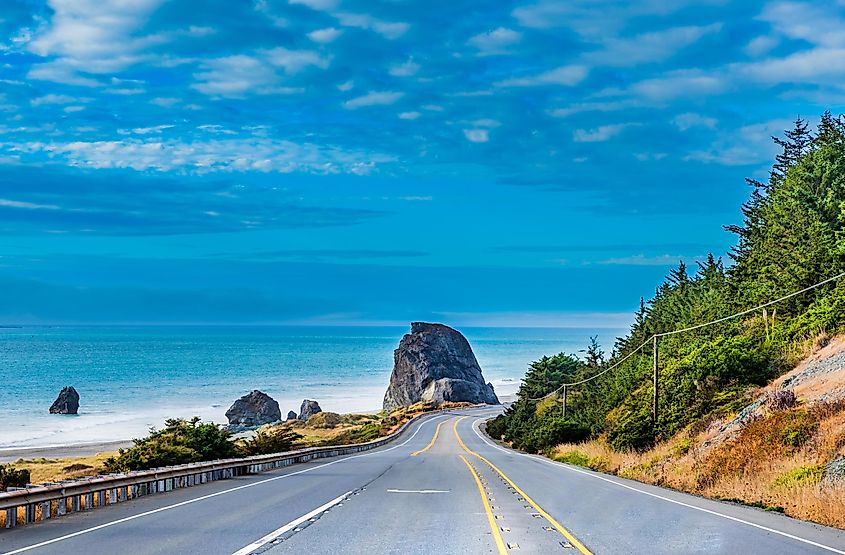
443 487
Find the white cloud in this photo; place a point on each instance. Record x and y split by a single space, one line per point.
225 155
691 119
599 134
373 99
319 5
409 115
325 36
761 45
649 47
679 83
643 260
813 22
817 65
477 135
294 61
405 69
496 41
55 99
564 75
233 76
94 37
748 145
27 205
153 129
388 29
346 86
581 107
164 101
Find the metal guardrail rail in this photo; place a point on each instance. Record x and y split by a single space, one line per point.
44 501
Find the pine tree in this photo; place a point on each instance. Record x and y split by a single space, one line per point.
797 143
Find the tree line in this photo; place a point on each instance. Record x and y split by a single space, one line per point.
792 236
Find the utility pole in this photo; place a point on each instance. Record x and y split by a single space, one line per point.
564 402
654 378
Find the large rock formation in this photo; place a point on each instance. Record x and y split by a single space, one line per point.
308 409
66 403
435 363
253 410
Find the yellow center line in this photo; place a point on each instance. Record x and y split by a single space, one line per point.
433 439
500 543
524 495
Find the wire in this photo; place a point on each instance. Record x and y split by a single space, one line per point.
691 328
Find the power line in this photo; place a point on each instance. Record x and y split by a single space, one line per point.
691 328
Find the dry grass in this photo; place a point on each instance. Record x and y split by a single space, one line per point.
775 462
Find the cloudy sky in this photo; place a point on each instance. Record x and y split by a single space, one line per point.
342 161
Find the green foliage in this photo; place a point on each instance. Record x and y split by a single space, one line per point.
11 477
367 432
266 442
792 236
581 459
797 430
179 442
812 474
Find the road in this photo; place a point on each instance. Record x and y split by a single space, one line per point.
443 487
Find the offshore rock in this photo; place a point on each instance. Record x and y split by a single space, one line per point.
308 409
291 415
66 403
434 363
252 411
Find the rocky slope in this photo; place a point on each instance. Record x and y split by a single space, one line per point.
435 363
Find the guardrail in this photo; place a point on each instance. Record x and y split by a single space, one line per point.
44 501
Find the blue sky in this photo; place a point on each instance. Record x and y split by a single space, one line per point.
335 161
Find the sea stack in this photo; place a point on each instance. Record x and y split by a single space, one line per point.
252 411
291 415
434 363
308 409
67 402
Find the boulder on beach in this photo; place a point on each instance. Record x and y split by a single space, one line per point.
67 402
435 363
252 411
291 415
308 409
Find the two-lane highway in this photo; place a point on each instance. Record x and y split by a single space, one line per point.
443 487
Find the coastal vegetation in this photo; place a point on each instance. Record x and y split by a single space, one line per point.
792 236
183 441
11 477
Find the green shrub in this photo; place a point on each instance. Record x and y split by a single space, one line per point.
578 458
268 441
802 475
798 429
11 477
179 442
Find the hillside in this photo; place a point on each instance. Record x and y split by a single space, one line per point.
750 407
783 456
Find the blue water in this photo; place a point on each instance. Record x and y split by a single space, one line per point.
132 378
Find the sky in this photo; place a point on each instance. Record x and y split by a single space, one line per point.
348 162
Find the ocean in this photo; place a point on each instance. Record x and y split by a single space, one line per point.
133 378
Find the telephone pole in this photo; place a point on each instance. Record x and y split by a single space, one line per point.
654 378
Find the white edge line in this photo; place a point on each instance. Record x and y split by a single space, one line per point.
681 503
290 525
209 496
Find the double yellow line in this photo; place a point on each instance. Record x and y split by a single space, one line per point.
431 443
574 541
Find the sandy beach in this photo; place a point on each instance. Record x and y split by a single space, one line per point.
62 451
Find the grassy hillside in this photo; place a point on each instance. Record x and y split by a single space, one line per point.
792 236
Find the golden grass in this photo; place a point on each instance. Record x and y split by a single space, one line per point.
768 464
